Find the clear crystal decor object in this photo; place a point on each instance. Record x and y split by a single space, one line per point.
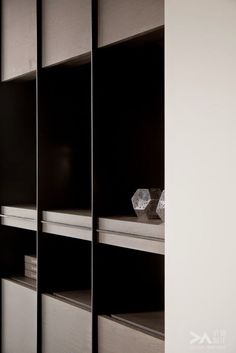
161 207
145 203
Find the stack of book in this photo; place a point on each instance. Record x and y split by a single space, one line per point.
31 266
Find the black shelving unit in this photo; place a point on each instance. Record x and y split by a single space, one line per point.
78 136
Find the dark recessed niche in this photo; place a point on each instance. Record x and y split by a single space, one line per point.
66 137
18 143
17 243
133 281
130 123
66 264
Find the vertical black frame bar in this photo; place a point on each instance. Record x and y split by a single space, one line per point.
94 250
0 225
38 158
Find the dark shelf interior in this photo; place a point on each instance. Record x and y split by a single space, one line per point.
65 138
18 143
132 282
66 264
130 123
15 243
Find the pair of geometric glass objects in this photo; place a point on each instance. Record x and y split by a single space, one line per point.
149 204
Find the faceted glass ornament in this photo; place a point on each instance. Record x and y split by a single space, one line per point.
161 207
145 203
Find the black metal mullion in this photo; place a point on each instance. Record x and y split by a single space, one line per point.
94 252
38 157
1 226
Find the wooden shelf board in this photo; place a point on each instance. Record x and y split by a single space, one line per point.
131 242
74 217
19 222
28 282
81 297
65 230
69 223
151 322
133 226
22 211
129 232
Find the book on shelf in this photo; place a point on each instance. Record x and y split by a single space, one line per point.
31 274
31 259
30 267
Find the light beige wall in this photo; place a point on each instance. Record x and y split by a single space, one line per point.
200 173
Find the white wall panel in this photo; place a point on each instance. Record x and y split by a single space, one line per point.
200 175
